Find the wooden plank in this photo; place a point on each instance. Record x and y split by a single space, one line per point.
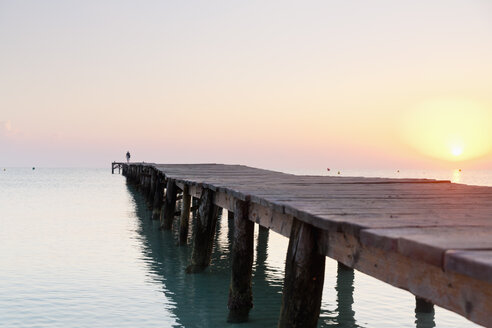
428 244
472 263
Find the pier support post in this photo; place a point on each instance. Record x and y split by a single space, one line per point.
262 246
423 306
158 199
169 205
240 292
204 231
304 276
153 183
185 216
230 228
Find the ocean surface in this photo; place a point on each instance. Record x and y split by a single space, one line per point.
78 249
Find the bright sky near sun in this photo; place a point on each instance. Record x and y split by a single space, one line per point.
275 84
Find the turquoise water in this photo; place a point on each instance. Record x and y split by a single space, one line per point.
78 249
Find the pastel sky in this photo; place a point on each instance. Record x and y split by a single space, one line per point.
274 84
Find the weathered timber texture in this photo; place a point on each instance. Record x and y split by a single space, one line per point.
240 292
472 263
169 205
304 276
204 232
185 216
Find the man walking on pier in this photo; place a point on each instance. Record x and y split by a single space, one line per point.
128 157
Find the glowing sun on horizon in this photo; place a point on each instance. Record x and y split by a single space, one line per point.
457 151
451 130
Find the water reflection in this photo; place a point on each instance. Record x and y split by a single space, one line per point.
424 320
201 300
424 314
345 296
456 177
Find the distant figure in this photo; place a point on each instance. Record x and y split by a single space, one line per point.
128 157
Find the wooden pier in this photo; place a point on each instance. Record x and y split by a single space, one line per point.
431 238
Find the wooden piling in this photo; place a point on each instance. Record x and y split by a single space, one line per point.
204 231
167 216
240 292
304 276
262 246
158 199
423 306
230 224
153 184
185 216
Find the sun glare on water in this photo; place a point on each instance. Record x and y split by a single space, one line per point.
451 130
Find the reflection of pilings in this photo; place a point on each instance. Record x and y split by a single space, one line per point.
164 258
203 295
345 298
424 313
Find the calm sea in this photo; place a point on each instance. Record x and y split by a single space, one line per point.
78 249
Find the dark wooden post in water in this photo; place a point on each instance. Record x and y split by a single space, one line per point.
230 228
240 292
153 183
158 198
304 276
262 246
169 205
185 216
423 306
204 230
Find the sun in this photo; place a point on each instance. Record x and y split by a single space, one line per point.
457 151
449 129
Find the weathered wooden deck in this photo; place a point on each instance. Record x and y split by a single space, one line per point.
432 238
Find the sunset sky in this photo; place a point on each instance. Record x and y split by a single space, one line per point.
356 84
